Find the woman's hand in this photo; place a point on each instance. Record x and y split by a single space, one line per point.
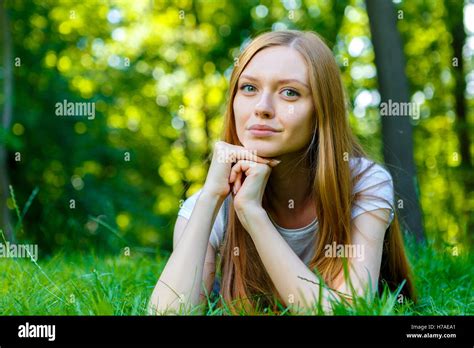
217 182
249 193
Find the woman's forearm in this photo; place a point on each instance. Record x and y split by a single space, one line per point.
296 283
180 282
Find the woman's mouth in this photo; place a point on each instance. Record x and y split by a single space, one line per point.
262 130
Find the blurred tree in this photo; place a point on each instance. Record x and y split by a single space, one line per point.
454 17
397 131
447 205
7 114
157 73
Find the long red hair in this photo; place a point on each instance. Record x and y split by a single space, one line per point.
245 282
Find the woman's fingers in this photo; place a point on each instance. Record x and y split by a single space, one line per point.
236 175
273 162
238 183
243 154
233 153
232 176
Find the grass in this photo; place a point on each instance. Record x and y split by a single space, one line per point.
88 284
74 283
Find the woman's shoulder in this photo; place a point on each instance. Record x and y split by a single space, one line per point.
366 171
373 187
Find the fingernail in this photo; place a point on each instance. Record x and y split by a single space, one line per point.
274 162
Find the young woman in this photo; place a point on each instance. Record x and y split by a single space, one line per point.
300 194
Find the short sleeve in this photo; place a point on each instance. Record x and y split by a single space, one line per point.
217 231
374 189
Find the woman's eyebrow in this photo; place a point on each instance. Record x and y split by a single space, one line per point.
248 77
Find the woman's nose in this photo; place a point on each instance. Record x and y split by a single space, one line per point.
264 106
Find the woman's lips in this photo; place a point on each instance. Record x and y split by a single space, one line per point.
262 132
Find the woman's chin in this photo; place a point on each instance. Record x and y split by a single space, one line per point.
263 150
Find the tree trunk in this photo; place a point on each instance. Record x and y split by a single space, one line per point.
338 8
5 220
396 130
454 22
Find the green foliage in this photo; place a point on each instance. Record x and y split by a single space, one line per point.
157 72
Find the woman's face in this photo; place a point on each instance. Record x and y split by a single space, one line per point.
273 91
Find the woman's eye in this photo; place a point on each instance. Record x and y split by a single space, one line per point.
248 88
290 93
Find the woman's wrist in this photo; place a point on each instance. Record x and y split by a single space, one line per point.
210 195
211 199
251 216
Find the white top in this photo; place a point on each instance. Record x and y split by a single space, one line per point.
376 183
